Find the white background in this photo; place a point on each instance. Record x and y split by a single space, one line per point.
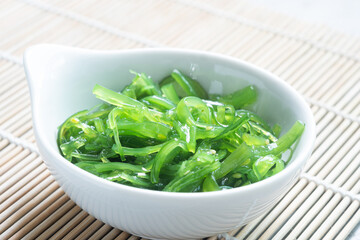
341 15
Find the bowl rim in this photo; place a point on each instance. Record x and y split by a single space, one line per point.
296 163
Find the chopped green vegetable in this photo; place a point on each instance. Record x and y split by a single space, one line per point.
172 137
240 98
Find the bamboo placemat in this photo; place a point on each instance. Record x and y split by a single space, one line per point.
323 65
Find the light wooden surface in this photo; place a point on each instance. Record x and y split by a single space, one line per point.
323 65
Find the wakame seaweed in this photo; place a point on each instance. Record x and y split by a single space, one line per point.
174 136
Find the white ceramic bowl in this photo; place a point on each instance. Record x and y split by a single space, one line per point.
61 81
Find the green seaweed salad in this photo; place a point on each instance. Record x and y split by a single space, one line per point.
174 137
